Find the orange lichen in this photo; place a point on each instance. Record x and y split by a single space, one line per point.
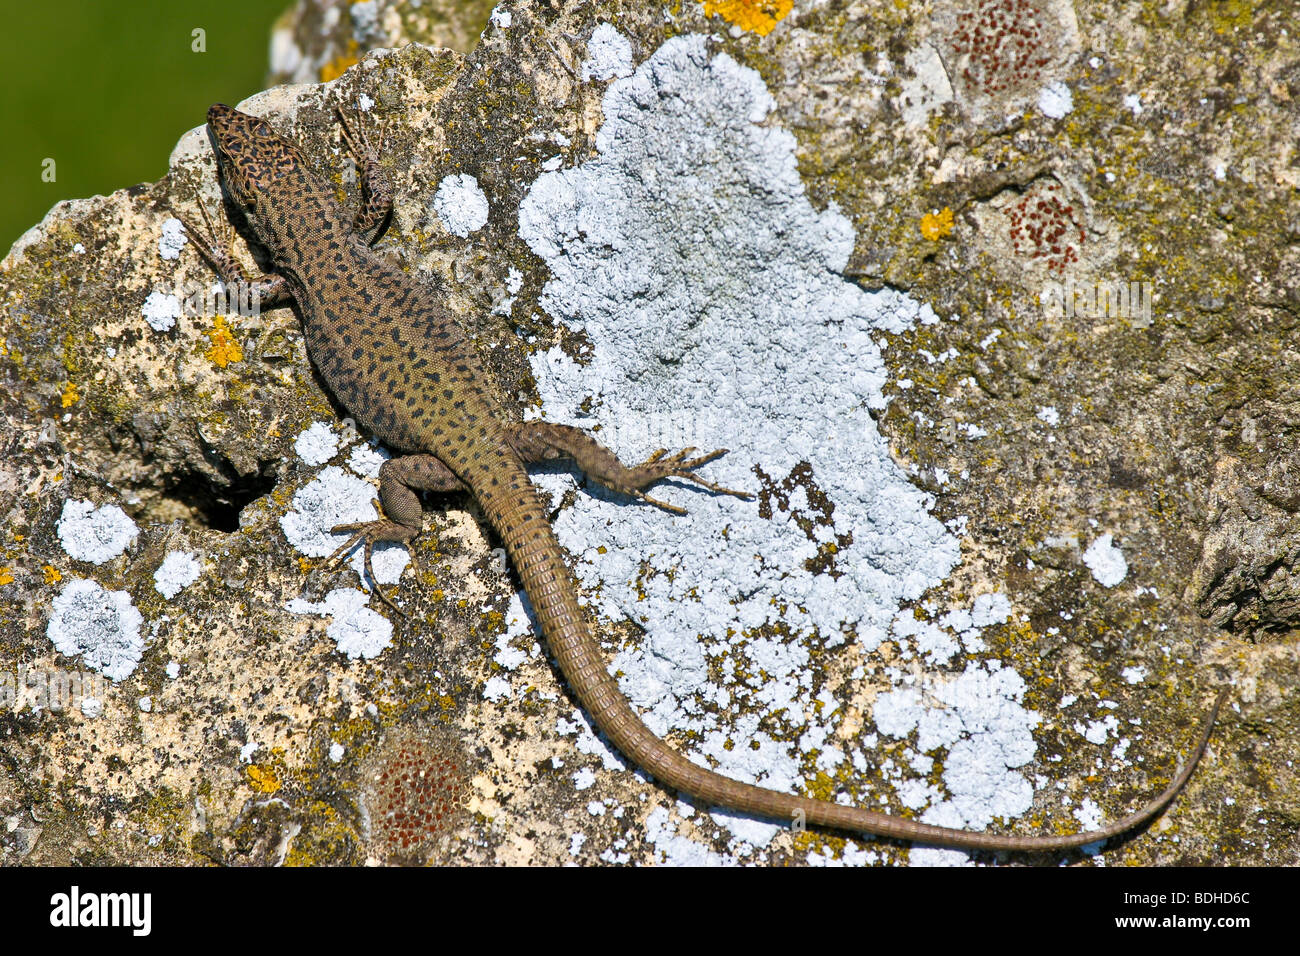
224 348
1005 44
756 16
52 576
1043 227
70 394
6 576
936 225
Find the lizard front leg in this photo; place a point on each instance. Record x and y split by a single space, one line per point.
544 441
218 248
402 516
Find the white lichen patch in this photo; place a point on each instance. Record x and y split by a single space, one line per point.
1055 100
1134 675
355 628
100 626
172 240
460 204
590 742
332 498
1096 731
1088 814
317 444
366 459
956 631
979 718
1106 562
710 293
514 281
497 689
509 655
674 849
94 534
849 856
161 310
178 570
609 55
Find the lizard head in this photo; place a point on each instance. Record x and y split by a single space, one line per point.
253 158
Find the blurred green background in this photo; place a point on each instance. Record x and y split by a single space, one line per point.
106 88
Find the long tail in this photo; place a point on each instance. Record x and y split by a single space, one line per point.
515 510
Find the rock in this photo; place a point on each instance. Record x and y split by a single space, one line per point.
657 241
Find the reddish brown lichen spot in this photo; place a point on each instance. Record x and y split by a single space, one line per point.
756 16
1043 227
417 787
1005 45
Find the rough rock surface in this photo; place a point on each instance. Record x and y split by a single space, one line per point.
1003 550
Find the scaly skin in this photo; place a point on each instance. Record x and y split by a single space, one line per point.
396 359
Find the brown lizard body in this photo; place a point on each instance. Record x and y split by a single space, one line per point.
395 358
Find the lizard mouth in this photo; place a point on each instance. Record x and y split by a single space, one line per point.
222 120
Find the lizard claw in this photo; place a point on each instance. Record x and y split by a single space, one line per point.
217 246
369 533
358 141
661 465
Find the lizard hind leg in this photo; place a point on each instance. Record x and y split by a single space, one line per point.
545 441
403 516
377 192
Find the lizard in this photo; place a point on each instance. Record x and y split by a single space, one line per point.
395 357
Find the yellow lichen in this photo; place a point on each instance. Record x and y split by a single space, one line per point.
6 576
756 16
340 64
936 225
224 347
70 394
263 779
52 575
